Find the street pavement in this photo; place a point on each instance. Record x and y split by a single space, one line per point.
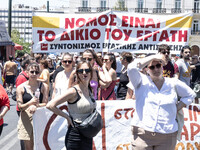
8 138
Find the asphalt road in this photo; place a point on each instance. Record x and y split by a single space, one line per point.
8 138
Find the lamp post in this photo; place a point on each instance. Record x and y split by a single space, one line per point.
9 17
47 6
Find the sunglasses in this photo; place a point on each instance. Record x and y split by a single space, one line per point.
82 70
105 60
67 61
36 72
164 52
158 66
87 59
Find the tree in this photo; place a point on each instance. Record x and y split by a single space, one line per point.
120 5
15 37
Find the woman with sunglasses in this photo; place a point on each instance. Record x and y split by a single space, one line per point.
62 79
107 88
80 105
28 102
98 76
154 124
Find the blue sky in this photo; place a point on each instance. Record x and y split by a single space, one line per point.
34 3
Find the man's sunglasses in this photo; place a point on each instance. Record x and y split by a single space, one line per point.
36 72
67 61
156 66
82 70
164 52
87 59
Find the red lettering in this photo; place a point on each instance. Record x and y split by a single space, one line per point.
150 23
173 32
193 133
164 36
101 21
139 22
190 112
79 34
92 22
107 33
127 34
72 35
53 35
147 35
158 24
155 35
131 21
119 33
139 34
64 36
98 34
117 114
41 32
124 21
80 22
182 35
112 20
69 23
185 133
86 34
127 110
195 111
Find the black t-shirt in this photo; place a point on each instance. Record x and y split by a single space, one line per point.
59 69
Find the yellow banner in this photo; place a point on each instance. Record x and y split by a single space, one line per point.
180 22
46 22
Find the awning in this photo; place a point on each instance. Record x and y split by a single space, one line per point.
18 47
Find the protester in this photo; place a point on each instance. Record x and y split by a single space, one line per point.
10 69
195 81
154 123
183 70
62 79
103 76
45 75
51 68
28 101
107 88
118 63
1 70
4 106
80 105
126 58
168 67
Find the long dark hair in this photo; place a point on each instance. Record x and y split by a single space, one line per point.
112 58
91 73
98 61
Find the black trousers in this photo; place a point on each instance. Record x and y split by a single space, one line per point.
75 141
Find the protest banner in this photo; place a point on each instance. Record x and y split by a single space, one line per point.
50 129
110 31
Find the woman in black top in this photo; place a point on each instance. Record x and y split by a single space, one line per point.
126 58
28 102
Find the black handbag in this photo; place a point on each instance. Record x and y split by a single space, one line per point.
91 126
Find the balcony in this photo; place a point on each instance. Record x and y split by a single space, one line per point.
195 10
84 9
195 32
141 10
159 10
176 10
101 9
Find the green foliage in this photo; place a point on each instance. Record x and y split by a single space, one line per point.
15 37
120 6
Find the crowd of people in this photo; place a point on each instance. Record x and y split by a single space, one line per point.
80 80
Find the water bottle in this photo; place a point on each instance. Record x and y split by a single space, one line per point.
37 93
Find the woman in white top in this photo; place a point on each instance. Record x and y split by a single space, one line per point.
62 78
154 123
80 105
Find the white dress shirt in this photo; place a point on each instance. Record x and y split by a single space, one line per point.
156 109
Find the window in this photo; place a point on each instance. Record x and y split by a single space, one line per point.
177 4
159 4
196 4
103 3
195 25
140 4
85 3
